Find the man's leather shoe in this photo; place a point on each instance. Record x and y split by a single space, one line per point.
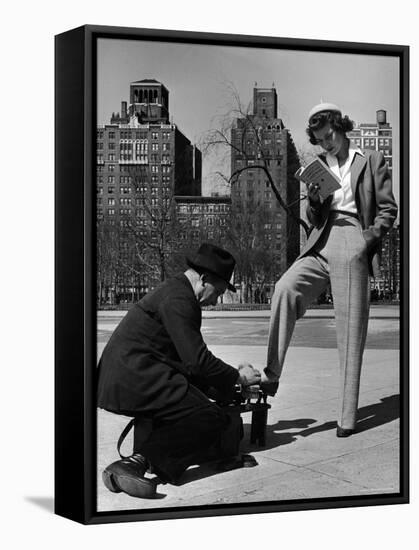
127 475
344 432
235 462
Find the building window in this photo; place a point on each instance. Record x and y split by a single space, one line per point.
111 135
154 146
111 145
111 211
154 135
111 167
111 179
111 202
111 157
111 189
100 190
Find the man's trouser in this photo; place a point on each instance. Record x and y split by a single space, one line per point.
192 431
341 258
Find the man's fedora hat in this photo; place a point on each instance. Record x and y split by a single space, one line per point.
323 107
215 260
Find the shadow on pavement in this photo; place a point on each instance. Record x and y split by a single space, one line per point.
273 440
370 416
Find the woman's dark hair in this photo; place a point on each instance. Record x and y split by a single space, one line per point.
337 122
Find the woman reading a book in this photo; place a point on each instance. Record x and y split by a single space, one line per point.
342 249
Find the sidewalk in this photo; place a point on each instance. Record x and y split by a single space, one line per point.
376 312
303 458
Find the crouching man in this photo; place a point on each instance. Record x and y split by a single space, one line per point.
157 369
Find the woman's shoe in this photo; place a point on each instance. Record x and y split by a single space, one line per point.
344 432
269 385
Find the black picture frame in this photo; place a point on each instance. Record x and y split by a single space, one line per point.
75 306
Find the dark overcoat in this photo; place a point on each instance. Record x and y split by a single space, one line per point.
156 351
377 209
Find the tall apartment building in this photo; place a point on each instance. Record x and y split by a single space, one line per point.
202 219
143 160
387 285
261 138
376 135
140 142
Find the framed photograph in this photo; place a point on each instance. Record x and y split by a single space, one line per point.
232 290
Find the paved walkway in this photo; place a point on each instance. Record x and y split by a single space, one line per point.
303 458
376 312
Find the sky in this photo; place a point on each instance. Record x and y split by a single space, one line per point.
197 77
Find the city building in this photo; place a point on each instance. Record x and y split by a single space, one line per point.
143 161
202 219
261 145
376 135
387 287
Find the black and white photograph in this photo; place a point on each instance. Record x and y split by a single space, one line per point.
209 306
248 275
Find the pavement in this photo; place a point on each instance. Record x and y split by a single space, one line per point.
302 458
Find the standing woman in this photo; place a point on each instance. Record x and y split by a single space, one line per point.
343 249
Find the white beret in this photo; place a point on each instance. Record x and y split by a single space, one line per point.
323 107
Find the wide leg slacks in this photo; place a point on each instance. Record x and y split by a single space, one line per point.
340 257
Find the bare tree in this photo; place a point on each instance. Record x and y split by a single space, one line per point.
247 142
149 230
221 141
107 260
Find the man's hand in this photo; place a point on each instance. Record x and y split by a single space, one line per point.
248 375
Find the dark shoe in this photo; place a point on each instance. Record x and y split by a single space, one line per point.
233 463
269 387
127 475
269 383
249 461
344 432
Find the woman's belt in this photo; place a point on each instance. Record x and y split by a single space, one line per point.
345 213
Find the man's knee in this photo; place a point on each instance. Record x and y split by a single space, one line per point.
212 420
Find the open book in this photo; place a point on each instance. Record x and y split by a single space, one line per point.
319 173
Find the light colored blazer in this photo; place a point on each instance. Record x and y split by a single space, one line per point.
377 209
